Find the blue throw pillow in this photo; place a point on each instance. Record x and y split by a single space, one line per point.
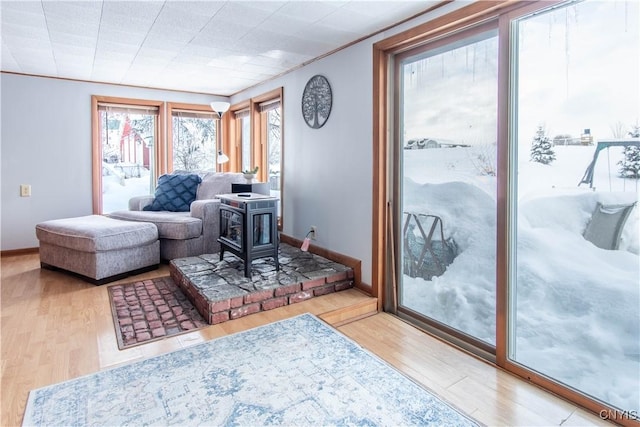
175 193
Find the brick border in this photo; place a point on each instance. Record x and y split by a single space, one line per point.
268 299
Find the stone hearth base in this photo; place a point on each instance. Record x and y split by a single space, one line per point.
220 292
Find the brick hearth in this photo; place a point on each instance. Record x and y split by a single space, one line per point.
220 292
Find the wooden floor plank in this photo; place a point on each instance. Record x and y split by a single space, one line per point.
490 395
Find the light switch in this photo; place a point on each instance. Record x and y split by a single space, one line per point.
25 190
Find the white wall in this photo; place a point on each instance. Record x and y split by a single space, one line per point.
328 171
46 142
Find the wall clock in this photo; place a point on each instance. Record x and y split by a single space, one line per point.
316 101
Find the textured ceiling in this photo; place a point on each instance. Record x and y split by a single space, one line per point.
217 47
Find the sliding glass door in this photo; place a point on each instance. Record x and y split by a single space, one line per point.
447 232
514 176
575 307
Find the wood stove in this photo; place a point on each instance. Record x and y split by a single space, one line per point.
248 227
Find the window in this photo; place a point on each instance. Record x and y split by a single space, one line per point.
448 114
125 136
257 137
546 299
271 119
193 138
243 138
574 300
131 150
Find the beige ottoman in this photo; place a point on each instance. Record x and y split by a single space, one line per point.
97 248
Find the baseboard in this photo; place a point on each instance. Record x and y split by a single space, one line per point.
16 252
355 264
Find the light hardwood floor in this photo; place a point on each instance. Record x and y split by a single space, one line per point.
56 327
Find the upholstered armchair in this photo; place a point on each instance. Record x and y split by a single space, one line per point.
189 232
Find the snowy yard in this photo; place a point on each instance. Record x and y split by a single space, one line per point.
578 306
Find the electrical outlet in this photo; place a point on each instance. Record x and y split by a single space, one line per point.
25 190
314 232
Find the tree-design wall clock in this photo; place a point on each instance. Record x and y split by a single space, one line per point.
316 101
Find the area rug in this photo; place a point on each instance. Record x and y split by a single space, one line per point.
151 310
295 372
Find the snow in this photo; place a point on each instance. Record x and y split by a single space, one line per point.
577 306
117 190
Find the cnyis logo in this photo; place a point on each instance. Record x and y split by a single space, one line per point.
619 415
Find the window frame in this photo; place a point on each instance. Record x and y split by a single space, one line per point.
259 124
261 141
96 160
234 140
259 138
171 106
228 129
460 337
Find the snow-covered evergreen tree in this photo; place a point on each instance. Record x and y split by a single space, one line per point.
630 163
541 150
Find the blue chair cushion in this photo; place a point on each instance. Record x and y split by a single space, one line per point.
175 193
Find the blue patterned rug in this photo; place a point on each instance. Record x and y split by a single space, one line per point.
296 372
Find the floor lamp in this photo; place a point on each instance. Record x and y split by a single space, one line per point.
220 107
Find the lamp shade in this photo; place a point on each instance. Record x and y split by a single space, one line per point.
222 158
220 107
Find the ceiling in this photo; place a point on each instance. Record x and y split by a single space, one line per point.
214 47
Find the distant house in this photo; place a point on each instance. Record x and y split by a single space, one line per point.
586 138
420 143
565 139
414 144
431 143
